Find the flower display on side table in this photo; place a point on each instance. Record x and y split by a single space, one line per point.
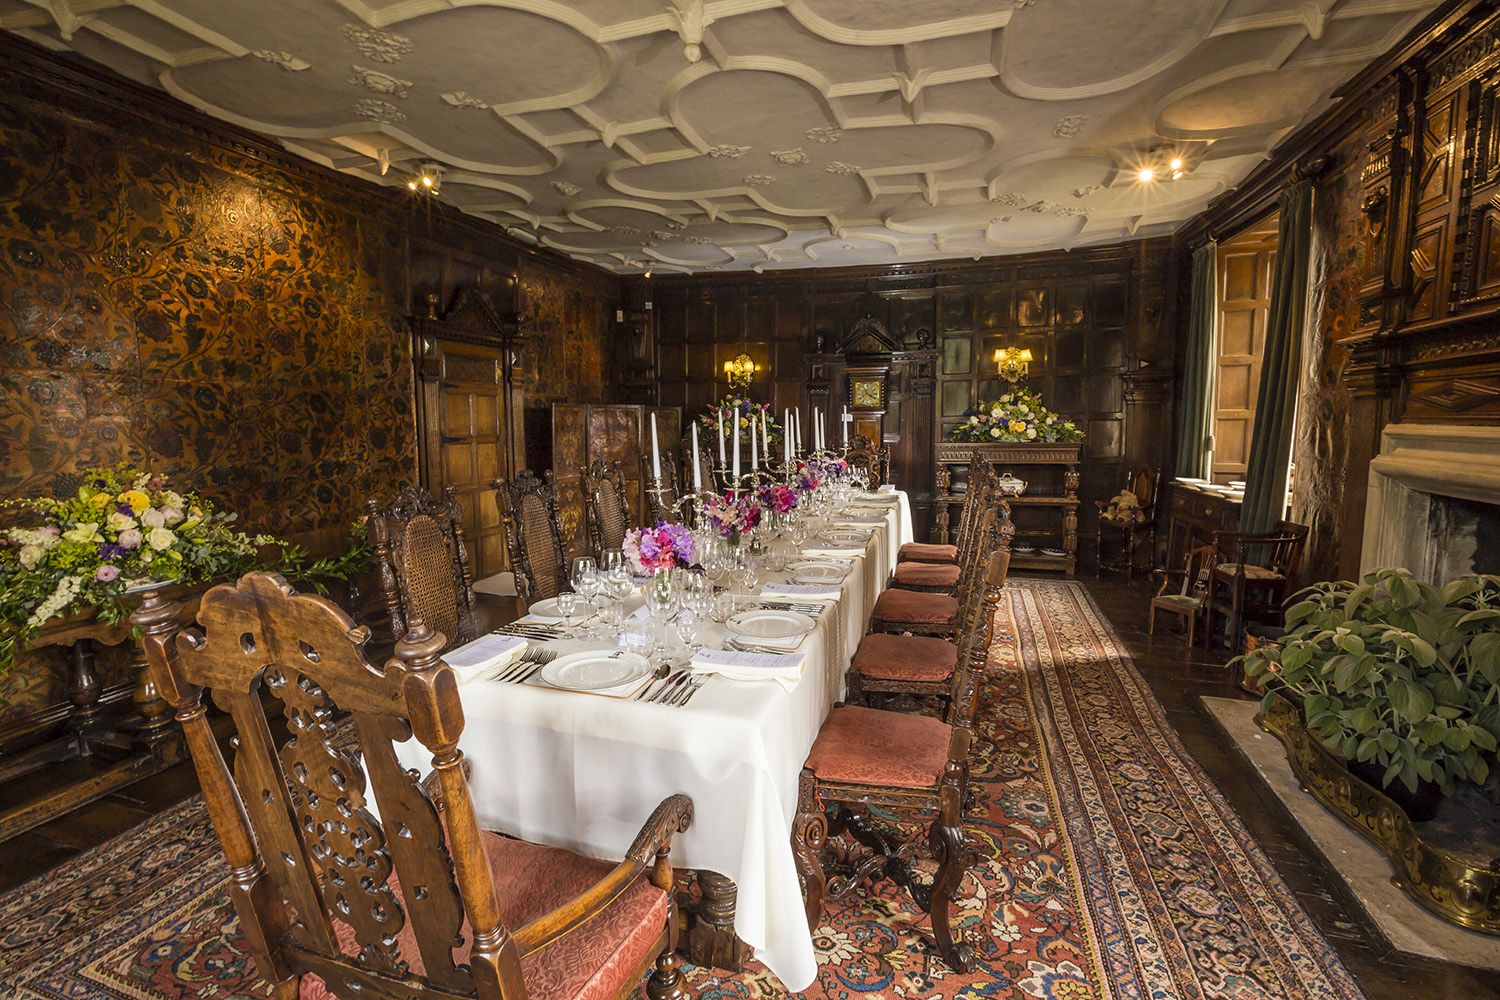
745 412
122 528
651 550
1017 416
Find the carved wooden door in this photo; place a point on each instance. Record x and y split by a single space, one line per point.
463 432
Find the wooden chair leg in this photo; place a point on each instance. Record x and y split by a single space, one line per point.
665 981
1151 621
1192 624
809 833
952 851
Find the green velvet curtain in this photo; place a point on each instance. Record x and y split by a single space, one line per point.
1276 406
1194 425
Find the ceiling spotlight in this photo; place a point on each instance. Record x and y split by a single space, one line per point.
411 185
429 179
1176 163
1146 174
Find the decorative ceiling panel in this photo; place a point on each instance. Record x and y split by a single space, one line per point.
691 135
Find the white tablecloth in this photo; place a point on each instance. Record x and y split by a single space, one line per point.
583 772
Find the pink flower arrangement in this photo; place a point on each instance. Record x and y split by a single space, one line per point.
779 499
733 516
651 550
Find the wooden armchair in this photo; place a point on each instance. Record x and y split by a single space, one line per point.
1145 483
1252 575
418 903
933 552
911 763
871 459
528 512
422 563
1189 596
608 510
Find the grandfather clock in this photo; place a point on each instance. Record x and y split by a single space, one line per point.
868 350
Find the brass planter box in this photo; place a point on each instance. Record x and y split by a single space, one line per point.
1461 890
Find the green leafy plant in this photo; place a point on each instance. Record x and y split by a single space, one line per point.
1395 672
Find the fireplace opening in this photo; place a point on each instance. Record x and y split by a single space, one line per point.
1465 535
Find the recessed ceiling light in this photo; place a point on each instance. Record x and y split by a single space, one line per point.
1176 163
1146 174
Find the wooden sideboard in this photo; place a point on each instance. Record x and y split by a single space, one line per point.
1194 517
1023 461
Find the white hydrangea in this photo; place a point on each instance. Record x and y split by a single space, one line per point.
67 589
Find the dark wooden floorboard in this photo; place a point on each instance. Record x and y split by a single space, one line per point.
1177 676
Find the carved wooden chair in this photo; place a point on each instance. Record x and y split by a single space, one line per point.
707 461
528 512
422 563
915 764
942 577
1145 483
608 510
1190 597
934 552
871 459
663 507
419 903
1252 575
885 664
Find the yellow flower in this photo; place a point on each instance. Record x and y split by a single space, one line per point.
1018 426
138 501
99 501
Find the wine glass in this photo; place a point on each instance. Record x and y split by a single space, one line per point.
686 627
588 582
612 559
568 605
747 573
617 586
661 597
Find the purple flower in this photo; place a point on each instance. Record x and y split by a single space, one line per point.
106 574
126 509
111 551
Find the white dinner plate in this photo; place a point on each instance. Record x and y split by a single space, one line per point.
770 624
595 670
844 536
1054 552
546 609
819 573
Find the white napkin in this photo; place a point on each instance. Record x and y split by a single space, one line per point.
888 488
484 656
784 669
820 590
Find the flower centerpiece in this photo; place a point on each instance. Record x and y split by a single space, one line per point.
778 499
744 413
733 516
651 550
1018 416
122 529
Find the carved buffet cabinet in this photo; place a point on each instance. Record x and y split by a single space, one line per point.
1056 499
1195 516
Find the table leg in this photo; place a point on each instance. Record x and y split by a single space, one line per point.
83 692
711 938
155 714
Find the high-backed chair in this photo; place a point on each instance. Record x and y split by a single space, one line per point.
663 506
1252 575
938 577
707 460
1145 483
422 563
608 510
911 763
528 512
937 552
920 665
418 903
872 459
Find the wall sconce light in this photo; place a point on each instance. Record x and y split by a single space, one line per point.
740 371
1012 363
428 179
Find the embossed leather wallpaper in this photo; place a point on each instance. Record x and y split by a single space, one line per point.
213 310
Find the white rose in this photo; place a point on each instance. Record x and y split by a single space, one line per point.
995 413
84 533
973 420
171 515
31 555
994 432
119 522
1031 432
153 518
130 538
171 498
160 538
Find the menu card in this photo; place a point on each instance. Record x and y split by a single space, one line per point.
826 590
484 655
782 668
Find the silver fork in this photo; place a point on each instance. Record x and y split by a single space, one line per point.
686 694
539 659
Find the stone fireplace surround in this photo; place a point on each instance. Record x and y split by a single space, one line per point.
1419 469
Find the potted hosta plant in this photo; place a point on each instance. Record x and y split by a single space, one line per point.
1399 676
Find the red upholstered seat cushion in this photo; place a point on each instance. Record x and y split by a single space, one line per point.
920 574
926 552
916 607
905 657
867 746
593 961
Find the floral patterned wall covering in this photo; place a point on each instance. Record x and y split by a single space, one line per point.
230 317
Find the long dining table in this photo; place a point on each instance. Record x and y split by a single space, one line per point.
583 771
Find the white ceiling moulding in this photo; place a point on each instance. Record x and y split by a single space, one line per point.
766 133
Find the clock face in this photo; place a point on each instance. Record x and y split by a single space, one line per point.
867 393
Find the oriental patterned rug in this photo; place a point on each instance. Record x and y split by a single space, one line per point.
1109 869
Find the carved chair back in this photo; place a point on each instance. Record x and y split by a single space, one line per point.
422 563
1197 574
873 460
663 506
1145 483
608 510
979 495
528 510
321 886
974 635
707 462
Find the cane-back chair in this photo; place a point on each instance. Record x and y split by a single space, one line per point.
871 459
1252 575
662 505
886 664
706 461
528 512
911 763
417 903
980 472
1130 530
608 510
418 542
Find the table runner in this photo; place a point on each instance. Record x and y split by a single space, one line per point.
583 772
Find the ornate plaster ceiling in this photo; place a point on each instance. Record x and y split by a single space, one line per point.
729 134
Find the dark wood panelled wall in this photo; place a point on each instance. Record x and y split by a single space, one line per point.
1407 204
1100 324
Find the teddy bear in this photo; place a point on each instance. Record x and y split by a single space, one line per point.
1124 509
